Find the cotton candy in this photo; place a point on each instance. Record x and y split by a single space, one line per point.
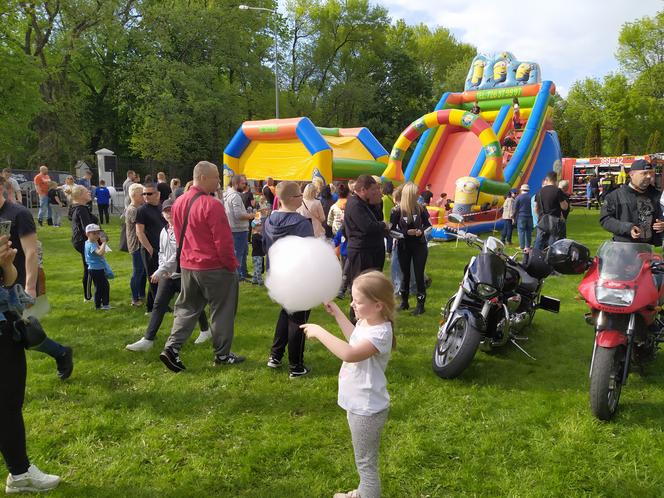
304 272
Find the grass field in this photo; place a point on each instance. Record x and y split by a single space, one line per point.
509 426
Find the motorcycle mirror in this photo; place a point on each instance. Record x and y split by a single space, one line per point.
455 218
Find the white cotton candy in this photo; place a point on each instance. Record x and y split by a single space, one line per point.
304 272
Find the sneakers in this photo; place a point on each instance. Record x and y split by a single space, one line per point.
298 371
142 344
229 359
351 494
273 362
33 480
137 304
204 336
65 364
106 307
171 359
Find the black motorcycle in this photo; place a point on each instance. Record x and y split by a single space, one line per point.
497 299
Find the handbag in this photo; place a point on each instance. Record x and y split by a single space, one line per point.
178 251
548 223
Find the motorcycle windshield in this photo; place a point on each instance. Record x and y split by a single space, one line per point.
622 260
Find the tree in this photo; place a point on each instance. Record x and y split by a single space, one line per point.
621 145
593 146
655 142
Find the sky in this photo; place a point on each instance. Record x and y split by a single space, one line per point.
570 39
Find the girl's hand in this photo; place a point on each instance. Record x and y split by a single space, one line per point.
311 330
331 308
6 252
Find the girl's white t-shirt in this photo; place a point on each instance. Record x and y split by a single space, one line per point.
363 385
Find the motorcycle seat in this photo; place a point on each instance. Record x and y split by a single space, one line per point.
528 283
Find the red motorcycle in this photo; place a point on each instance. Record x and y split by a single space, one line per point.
622 289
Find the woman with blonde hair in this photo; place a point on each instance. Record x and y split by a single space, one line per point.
411 220
312 208
81 216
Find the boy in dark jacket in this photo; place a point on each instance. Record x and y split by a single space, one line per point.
281 223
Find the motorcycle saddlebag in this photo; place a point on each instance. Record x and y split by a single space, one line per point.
535 264
568 257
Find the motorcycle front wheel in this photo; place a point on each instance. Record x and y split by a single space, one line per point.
455 348
606 381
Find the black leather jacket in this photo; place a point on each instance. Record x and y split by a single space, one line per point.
620 213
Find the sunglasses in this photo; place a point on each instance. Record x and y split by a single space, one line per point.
149 193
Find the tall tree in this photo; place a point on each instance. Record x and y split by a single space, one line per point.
593 146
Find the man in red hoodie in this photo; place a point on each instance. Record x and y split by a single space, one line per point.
209 273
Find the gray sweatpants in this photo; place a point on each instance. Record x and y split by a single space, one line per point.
365 431
219 289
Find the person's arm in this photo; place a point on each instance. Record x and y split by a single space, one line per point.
609 220
318 212
220 229
29 245
239 211
426 222
344 323
339 348
101 250
7 255
143 238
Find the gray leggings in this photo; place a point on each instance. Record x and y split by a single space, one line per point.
365 432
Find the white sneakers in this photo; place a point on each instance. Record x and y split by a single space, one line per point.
142 344
33 480
205 335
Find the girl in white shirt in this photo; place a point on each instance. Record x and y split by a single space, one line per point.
362 383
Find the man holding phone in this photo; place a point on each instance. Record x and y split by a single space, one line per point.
20 224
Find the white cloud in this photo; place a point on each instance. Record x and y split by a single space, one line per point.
570 39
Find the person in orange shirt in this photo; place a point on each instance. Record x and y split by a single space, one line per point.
42 182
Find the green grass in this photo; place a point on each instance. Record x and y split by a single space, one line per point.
509 426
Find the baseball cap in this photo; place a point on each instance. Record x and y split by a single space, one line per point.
525 188
640 165
92 227
168 204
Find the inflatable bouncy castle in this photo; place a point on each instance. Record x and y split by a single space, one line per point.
480 157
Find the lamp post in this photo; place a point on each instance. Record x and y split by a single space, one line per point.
276 54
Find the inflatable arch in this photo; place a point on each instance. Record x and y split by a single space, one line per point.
492 169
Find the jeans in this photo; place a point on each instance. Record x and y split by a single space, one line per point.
241 245
506 234
102 287
50 347
150 263
258 270
87 281
137 282
44 208
524 227
57 217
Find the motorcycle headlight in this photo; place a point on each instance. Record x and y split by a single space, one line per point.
614 297
486 291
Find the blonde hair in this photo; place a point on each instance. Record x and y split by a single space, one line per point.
376 287
135 187
188 185
53 184
77 191
309 193
175 183
408 203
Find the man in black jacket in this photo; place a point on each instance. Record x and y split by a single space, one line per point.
365 230
632 213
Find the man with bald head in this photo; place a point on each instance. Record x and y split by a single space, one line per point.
209 276
42 184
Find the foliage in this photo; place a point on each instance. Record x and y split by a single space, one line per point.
631 103
593 146
655 143
124 425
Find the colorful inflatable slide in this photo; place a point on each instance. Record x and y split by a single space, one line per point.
460 152
295 149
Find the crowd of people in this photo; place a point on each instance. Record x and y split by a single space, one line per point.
194 241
